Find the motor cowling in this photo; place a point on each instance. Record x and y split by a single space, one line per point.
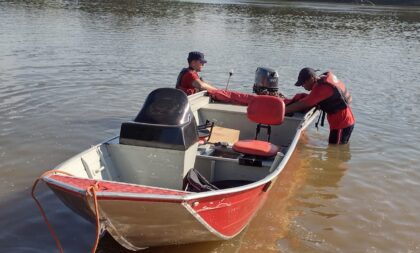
266 79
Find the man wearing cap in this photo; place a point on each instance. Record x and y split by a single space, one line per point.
188 79
332 97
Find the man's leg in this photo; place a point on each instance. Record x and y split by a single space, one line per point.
340 136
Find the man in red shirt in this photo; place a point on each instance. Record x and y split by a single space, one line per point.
188 79
331 95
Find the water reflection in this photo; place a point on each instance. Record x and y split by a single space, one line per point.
316 200
107 245
328 164
326 167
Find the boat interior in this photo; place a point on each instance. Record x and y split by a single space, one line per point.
174 135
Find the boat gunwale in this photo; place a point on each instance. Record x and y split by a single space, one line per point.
309 117
189 195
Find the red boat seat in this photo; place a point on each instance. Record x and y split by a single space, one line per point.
264 110
256 147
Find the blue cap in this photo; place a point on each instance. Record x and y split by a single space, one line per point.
195 55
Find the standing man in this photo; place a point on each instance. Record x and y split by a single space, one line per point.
188 79
333 98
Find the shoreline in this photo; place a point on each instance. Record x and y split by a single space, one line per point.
367 2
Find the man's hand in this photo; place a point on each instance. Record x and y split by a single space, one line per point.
281 95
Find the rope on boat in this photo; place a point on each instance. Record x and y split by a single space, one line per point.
90 192
50 228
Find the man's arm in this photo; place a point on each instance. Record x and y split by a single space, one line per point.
296 107
201 85
297 97
317 94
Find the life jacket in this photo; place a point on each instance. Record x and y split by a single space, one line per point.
341 97
187 90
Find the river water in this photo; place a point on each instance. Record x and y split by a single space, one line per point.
72 71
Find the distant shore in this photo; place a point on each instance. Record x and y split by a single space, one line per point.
370 2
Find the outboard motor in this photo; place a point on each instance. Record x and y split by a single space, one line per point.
266 79
160 145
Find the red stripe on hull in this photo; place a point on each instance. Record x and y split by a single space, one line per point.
107 186
129 198
229 214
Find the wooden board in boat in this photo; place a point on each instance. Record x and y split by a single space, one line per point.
223 134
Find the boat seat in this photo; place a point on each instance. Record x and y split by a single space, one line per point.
164 122
256 147
266 111
159 147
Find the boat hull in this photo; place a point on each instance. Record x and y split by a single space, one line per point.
138 220
140 206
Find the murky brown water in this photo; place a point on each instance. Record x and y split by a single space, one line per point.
72 71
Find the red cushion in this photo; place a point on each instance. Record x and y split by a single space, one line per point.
256 147
268 110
